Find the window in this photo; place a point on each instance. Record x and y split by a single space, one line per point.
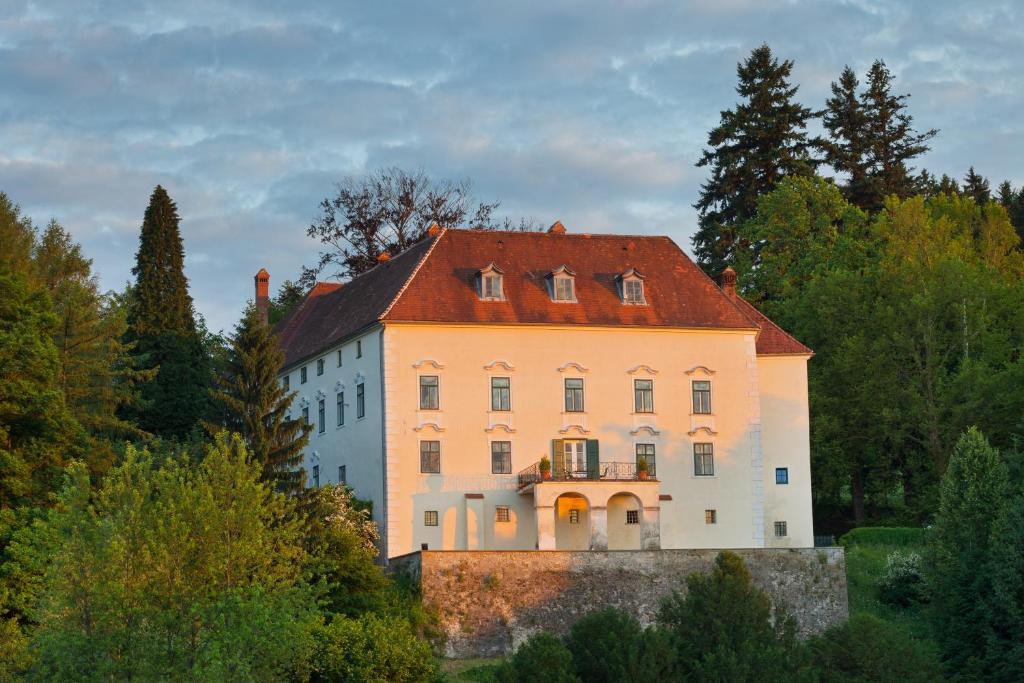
305 415
359 348
703 459
319 367
710 517
781 475
643 395
430 518
316 476
491 287
360 400
632 516
633 292
501 457
563 289
339 358
341 408
646 451
780 529
502 514
321 417
286 382
430 457
342 475
574 516
429 399
573 395
701 397
302 375
501 393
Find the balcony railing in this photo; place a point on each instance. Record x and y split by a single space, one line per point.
605 471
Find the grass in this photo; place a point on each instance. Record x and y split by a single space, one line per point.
479 670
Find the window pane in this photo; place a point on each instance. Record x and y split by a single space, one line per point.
703 460
502 514
633 291
780 529
430 457
316 476
710 517
501 457
643 396
339 358
781 475
320 367
501 394
632 516
429 398
573 395
563 289
430 518
302 375
321 416
341 408
702 397
492 287
360 400
646 451
342 474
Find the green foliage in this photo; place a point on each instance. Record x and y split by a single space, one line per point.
903 583
370 648
289 296
866 649
609 645
883 536
725 629
543 658
252 402
1004 603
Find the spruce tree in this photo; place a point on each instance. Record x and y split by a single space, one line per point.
892 138
1013 202
847 149
1005 602
754 146
948 186
253 403
976 186
161 324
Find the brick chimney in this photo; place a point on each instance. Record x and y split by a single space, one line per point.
728 281
557 228
263 295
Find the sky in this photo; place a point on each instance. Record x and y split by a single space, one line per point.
589 112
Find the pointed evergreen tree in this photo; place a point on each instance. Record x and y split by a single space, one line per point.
161 323
253 403
847 149
976 187
892 138
1005 602
948 186
1013 202
754 146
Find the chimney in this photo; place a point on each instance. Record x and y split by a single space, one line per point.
728 281
434 230
557 228
383 257
263 295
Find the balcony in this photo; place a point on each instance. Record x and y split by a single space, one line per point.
605 471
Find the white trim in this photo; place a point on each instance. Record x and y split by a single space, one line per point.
339 387
428 361
573 364
579 429
500 425
503 363
645 428
707 430
423 426
646 368
705 369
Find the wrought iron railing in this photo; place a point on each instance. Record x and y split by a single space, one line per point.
605 471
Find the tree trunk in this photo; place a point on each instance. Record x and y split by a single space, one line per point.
857 489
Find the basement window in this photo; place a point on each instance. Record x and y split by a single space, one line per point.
430 518
711 517
502 514
780 529
632 516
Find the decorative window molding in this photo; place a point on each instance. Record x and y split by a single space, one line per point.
360 378
490 285
700 368
304 402
502 363
580 429
320 394
646 368
500 426
698 430
631 288
645 428
314 457
562 284
428 425
572 364
339 387
427 361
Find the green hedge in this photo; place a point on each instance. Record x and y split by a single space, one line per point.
881 535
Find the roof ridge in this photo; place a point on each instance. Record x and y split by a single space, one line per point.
412 275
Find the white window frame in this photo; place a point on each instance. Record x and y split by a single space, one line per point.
703 472
693 397
491 387
583 396
437 392
637 409
627 282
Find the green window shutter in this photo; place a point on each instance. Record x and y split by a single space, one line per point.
557 459
593 459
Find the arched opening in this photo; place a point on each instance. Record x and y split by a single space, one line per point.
625 517
572 522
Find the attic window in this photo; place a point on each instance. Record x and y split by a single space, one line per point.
489 284
563 285
631 288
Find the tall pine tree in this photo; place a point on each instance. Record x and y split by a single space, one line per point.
1013 202
253 403
162 325
976 186
847 149
754 146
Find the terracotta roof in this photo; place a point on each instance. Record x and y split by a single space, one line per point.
435 281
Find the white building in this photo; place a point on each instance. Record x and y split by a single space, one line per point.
437 381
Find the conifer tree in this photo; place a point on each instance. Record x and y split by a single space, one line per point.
1013 202
1005 602
976 186
254 404
162 325
754 146
948 186
847 149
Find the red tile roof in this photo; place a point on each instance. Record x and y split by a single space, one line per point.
435 281
773 340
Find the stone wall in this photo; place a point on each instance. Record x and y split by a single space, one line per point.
489 602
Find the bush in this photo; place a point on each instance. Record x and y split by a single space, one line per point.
541 659
866 648
370 648
903 582
604 645
880 535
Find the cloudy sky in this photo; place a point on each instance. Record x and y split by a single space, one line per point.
586 111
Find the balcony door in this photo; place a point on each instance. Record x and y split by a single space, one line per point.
575 457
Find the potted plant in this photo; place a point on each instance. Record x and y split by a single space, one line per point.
545 468
641 469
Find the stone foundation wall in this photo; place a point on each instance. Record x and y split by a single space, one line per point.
490 601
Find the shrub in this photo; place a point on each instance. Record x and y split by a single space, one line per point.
903 583
865 648
880 535
604 645
541 659
370 648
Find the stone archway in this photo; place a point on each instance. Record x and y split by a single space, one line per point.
625 522
572 522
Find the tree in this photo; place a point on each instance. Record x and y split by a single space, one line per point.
289 296
893 142
754 147
976 187
1004 603
973 486
725 629
865 648
370 648
1013 202
609 645
254 404
848 148
162 327
543 658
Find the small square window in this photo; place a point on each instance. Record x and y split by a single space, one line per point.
320 366
339 358
632 516
574 516
710 517
286 382
430 457
342 475
430 518
781 475
780 529
302 375
502 514
429 393
359 348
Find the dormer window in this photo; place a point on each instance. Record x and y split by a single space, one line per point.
631 288
490 285
563 285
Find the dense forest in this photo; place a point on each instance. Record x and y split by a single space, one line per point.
154 522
